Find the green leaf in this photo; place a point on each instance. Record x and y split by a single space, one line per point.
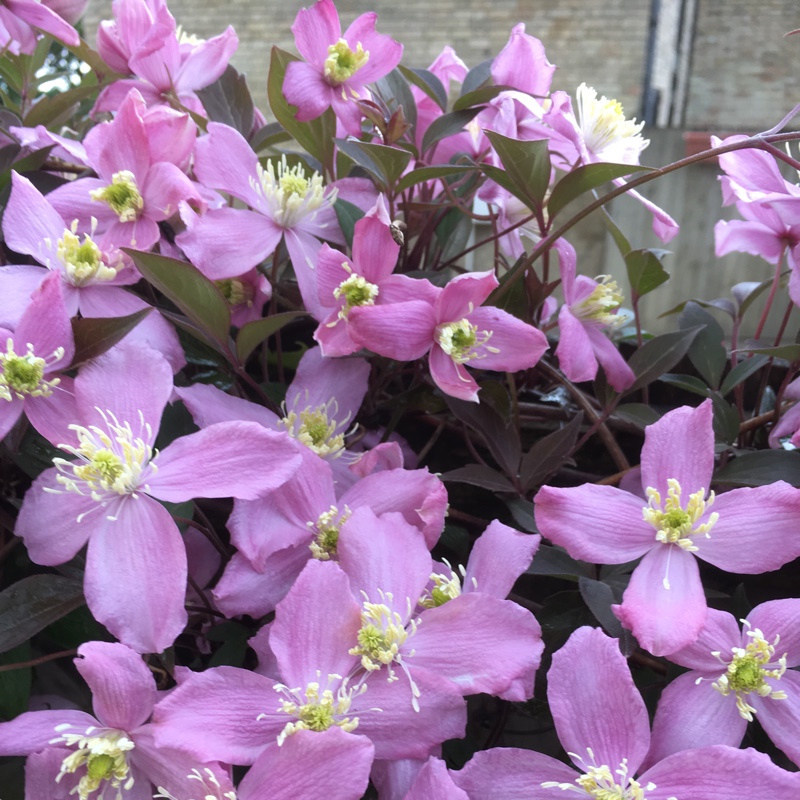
686 382
549 453
477 77
761 468
189 290
659 355
787 352
48 108
422 174
583 179
385 164
478 97
707 353
30 605
394 91
726 419
556 562
600 597
15 684
228 100
645 271
527 163
756 293
741 372
347 214
251 334
269 136
425 80
637 414
315 137
478 475
447 125
623 245
93 336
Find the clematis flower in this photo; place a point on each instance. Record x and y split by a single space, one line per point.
276 535
22 20
314 688
143 39
31 359
598 131
603 725
589 307
135 580
664 605
136 187
735 676
454 330
337 66
366 279
92 276
286 203
110 754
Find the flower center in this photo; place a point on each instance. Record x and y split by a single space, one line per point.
747 672
109 462
675 524
317 710
342 63
445 588
83 261
602 304
599 782
356 291
236 292
461 340
104 754
326 530
603 122
121 195
289 194
316 430
24 374
211 790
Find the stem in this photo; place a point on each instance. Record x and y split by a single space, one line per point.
772 292
34 662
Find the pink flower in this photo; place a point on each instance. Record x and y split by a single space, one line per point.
112 752
455 330
135 580
22 20
735 676
603 725
337 67
589 307
664 604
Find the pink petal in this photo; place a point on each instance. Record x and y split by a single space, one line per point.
122 143
499 556
575 353
779 718
780 618
45 324
692 714
750 534
384 52
305 641
619 375
206 62
464 294
229 459
664 605
738 236
214 715
561 517
34 730
315 29
595 703
490 642
29 221
374 250
303 252
692 463
305 88
123 689
434 781
520 345
522 63
329 763
720 633
402 331
17 284
135 580
452 378
164 188
208 405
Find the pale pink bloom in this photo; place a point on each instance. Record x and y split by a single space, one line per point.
68 748
590 308
735 676
32 359
337 67
143 39
742 531
21 21
455 331
523 65
135 580
603 725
